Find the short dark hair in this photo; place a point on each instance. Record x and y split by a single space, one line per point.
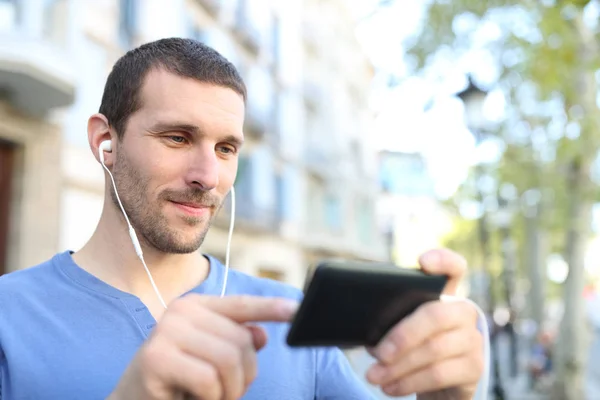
184 57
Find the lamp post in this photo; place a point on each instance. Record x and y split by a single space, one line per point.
503 220
473 98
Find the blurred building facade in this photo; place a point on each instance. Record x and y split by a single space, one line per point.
408 209
307 185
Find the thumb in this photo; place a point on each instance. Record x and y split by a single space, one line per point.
445 262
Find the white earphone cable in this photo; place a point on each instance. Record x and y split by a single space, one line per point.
485 378
138 247
229 236
133 235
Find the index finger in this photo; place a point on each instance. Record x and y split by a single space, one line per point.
426 322
247 308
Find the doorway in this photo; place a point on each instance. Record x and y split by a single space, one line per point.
6 174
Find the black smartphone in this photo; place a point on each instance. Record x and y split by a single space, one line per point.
349 303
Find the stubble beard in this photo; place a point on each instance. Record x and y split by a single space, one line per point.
146 216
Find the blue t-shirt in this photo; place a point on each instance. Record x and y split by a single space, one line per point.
64 334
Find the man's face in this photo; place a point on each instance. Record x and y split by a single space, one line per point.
178 159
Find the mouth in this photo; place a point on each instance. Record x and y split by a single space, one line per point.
192 209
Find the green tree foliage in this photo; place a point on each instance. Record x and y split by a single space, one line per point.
546 57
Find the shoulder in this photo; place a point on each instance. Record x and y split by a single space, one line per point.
35 276
25 285
242 283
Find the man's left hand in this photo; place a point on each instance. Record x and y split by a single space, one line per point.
436 352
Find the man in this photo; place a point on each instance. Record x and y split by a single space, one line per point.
84 325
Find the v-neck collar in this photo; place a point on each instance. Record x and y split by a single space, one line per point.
64 262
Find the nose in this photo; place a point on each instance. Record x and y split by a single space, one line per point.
204 169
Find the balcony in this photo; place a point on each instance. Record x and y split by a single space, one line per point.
323 162
343 228
245 29
325 245
257 121
248 36
249 218
252 217
35 69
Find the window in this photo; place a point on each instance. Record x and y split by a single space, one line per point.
261 103
364 221
194 31
247 25
254 20
9 14
198 34
333 213
243 180
127 21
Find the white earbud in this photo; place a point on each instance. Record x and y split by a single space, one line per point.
106 146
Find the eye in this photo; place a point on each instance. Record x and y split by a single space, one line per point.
177 139
226 149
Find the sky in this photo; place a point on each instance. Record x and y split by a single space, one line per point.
401 123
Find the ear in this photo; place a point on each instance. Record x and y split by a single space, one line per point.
99 131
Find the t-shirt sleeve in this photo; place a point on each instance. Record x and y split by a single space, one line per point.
336 380
1 369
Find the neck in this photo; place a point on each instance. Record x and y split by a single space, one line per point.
109 255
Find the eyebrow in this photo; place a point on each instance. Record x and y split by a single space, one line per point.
161 127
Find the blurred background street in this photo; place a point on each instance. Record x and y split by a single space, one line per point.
375 130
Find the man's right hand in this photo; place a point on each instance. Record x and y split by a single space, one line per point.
203 347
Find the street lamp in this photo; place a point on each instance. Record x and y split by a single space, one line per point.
473 98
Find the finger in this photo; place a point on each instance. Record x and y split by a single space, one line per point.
250 308
206 320
460 371
441 347
259 336
194 376
226 357
445 262
427 321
